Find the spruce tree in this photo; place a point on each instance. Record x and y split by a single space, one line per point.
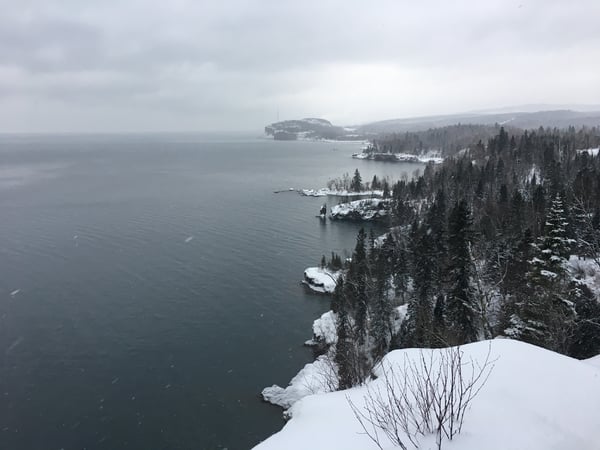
418 329
380 304
356 184
461 307
585 342
547 313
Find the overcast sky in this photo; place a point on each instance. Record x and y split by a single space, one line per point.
184 65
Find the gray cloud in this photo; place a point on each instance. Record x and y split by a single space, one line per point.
194 65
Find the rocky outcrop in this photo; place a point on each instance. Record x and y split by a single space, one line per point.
369 209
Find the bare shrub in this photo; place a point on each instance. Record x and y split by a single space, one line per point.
425 395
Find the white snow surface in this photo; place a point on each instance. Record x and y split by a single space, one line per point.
534 399
320 280
591 151
324 329
586 271
314 378
594 361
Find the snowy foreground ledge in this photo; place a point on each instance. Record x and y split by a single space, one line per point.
534 399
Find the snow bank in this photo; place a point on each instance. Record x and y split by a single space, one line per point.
590 151
594 361
315 378
534 399
321 280
586 271
367 209
324 330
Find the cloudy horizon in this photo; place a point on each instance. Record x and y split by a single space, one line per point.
206 66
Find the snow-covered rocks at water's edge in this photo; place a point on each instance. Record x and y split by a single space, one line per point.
324 330
368 209
534 399
323 192
319 376
315 378
321 280
432 157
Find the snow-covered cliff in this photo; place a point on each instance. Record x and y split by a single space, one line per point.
534 399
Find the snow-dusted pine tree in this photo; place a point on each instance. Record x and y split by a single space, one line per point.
545 316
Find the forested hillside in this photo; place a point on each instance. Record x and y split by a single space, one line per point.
503 239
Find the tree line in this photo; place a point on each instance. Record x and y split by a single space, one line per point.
484 245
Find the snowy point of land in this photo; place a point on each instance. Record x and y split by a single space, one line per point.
324 192
400 157
534 399
314 378
321 280
366 209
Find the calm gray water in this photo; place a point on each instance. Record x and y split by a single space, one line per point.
117 333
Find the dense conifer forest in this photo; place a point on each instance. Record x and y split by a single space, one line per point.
496 241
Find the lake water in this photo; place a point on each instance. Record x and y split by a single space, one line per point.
149 285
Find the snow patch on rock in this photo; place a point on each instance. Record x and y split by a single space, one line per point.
321 280
367 209
315 378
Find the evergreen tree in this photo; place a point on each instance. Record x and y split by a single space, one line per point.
381 305
356 184
418 328
547 314
461 307
386 189
375 184
586 336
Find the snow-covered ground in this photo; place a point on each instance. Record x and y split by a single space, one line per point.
367 209
590 151
594 361
586 271
321 280
324 330
315 378
534 399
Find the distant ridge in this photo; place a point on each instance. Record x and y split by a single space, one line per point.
316 128
310 128
556 118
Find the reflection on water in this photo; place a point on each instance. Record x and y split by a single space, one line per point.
20 175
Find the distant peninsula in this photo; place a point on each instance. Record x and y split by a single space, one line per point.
311 129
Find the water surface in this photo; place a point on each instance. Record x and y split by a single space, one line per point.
149 285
